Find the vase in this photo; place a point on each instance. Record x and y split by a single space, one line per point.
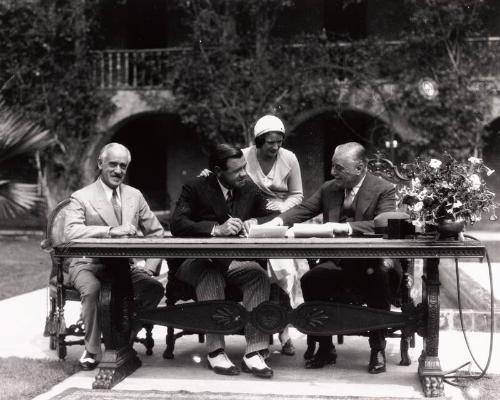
449 228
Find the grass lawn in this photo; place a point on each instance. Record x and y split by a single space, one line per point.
24 378
24 266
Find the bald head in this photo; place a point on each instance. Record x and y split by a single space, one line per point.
349 164
113 162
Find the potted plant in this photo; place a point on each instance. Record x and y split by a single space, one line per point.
444 195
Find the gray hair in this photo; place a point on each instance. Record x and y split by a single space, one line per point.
355 149
111 146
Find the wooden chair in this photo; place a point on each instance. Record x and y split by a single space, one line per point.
60 292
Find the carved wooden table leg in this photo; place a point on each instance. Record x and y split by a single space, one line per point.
119 359
429 368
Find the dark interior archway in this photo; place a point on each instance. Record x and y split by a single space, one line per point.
314 140
164 154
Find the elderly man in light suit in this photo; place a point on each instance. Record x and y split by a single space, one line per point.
108 208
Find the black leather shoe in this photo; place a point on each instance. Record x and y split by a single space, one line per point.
377 362
322 358
87 361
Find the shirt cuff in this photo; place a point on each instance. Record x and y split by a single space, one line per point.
277 221
349 229
212 232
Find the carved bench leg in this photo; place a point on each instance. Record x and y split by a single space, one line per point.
168 354
404 345
116 298
149 341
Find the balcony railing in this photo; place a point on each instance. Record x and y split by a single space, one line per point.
134 69
153 68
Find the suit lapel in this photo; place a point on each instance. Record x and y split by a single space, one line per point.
364 197
102 205
336 196
216 198
240 203
128 204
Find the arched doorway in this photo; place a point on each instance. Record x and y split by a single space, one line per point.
164 154
314 140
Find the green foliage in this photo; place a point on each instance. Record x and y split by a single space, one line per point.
238 71
46 63
439 45
18 137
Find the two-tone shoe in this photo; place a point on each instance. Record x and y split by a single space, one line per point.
87 361
255 364
220 363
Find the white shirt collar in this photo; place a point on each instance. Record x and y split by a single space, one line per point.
223 188
108 191
355 189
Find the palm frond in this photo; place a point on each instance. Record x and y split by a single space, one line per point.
19 136
17 198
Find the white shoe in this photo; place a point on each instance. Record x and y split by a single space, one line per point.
87 361
256 365
221 364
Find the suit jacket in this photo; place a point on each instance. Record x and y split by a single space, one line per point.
90 215
201 205
374 197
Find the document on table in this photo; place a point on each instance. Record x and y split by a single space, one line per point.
305 230
263 231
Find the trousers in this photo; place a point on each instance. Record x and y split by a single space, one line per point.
329 280
147 294
210 284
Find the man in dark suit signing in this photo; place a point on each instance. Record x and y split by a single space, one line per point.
225 203
349 203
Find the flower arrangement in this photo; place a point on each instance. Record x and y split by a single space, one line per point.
447 189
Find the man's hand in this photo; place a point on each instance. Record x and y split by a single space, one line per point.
204 173
247 224
231 227
124 230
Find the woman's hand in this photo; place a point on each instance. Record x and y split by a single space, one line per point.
204 173
275 206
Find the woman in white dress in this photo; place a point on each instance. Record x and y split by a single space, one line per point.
276 172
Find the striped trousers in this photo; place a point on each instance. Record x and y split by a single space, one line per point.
210 284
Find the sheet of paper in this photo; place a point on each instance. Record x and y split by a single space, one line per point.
262 231
312 230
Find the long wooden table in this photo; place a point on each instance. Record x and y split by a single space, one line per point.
119 359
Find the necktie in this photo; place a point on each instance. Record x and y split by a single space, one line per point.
348 199
229 200
117 208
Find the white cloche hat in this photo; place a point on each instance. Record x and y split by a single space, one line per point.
268 123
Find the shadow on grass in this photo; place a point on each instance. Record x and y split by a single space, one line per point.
24 378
